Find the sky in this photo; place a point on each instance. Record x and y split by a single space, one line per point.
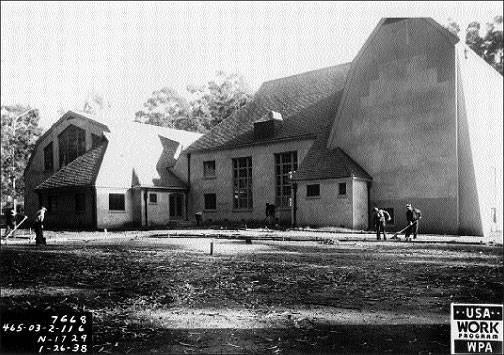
55 54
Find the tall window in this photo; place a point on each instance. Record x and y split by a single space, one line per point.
242 183
209 169
116 202
210 201
52 203
48 157
342 189
176 202
285 163
95 140
71 144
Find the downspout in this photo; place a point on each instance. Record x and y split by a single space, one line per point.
186 200
94 208
145 204
294 205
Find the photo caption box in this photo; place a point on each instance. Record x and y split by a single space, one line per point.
46 332
476 328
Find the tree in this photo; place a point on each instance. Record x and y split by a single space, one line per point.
166 108
217 100
488 45
20 131
95 104
209 104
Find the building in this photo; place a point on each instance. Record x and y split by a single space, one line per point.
416 118
95 175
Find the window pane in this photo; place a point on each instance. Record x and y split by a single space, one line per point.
116 202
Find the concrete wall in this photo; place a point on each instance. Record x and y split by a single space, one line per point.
35 173
480 115
263 177
397 119
65 215
360 204
328 209
115 219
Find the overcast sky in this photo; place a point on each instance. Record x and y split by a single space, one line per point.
55 54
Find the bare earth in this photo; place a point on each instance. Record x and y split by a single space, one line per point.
168 295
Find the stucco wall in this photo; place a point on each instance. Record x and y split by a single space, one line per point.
35 173
360 204
480 116
263 177
65 216
397 118
114 219
328 209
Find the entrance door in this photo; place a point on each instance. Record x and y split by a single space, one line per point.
176 205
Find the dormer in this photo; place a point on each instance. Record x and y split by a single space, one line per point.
267 125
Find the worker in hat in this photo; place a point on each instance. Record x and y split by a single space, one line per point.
10 220
39 226
381 217
413 216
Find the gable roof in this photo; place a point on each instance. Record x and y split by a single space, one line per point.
80 172
323 163
290 96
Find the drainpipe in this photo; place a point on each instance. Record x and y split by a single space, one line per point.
94 208
145 203
186 200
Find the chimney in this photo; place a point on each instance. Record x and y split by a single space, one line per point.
268 125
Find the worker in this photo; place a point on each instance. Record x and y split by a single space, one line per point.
413 216
381 217
10 221
39 226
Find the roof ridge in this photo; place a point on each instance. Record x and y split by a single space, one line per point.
305 73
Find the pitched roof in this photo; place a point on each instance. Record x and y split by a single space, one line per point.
80 172
323 163
290 96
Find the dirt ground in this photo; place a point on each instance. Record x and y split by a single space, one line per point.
168 295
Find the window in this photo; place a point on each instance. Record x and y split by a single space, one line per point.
209 169
80 203
52 203
153 198
313 190
95 140
71 144
242 183
342 188
176 201
285 163
116 202
210 201
391 213
48 157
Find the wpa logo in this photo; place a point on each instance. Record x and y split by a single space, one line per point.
476 328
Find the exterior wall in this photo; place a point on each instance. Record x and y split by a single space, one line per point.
114 219
480 112
65 215
263 180
328 209
35 173
397 119
360 204
159 214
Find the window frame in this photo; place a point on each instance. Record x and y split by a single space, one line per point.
122 197
72 137
205 201
206 174
283 169
310 195
242 198
152 194
49 157
175 204
340 185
